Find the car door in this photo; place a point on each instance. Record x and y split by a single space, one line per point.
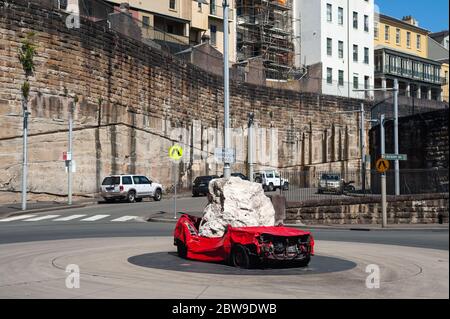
138 186
146 186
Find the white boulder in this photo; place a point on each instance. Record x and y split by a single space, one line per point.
235 202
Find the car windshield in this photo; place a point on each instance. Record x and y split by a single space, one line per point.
111 180
203 179
277 175
330 177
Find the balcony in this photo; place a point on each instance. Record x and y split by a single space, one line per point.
217 12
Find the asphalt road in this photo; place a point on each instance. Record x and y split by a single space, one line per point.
121 255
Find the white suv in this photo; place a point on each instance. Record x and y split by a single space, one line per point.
133 188
271 180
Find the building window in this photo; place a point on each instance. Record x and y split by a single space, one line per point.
341 78
397 36
366 82
199 5
418 42
341 16
213 30
341 49
172 4
329 46
213 7
366 23
329 75
145 22
408 39
355 20
386 32
366 55
329 12
375 30
355 53
355 81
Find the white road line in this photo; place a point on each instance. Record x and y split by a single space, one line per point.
95 217
124 218
9 219
63 219
35 219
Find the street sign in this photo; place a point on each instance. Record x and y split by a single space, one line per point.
74 166
67 156
382 165
176 152
225 155
395 157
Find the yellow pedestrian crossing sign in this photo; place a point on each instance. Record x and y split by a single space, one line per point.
176 152
382 165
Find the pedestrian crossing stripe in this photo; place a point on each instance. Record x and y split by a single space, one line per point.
94 218
72 217
35 219
124 218
9 219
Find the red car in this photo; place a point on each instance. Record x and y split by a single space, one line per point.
244 247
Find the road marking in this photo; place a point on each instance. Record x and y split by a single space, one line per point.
35 219
94 218
63 219
16 218
124 218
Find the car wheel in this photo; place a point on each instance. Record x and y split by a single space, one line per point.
271 187
240 257
265 188
131 196
195 194
139 200
286 186
157 196
181 250
320 191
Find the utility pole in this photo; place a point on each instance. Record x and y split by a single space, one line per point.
396 151
70 153
250 146
383 176
363 148
25 152
226 85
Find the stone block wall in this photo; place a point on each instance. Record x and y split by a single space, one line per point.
136 101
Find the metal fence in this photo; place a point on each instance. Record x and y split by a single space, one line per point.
305 185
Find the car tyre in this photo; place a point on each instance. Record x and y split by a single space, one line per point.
158 195
271 187
195 194
303 262
240 257
286 186
131 196
181 250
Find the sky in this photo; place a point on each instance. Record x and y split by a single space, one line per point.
431 14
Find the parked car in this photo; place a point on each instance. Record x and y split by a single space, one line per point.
201 183
244 247
271 180
331 183
242 176
133 188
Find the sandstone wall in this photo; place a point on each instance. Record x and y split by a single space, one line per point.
417 209
136 101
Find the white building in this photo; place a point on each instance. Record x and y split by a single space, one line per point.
336 42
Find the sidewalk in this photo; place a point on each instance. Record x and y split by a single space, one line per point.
7 210
165 217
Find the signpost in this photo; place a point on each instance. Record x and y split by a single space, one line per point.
382 165
225 155
175 154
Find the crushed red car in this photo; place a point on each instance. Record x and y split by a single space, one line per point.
244 247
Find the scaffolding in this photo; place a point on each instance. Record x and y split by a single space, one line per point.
265 30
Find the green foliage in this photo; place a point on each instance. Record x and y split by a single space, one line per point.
26 89
27 52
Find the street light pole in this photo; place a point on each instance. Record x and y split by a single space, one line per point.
226 85
69 162
363 149
383 176
396 150
25 153
250 146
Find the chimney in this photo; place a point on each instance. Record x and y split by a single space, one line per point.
411 20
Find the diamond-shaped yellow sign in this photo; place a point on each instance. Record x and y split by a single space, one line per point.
176 152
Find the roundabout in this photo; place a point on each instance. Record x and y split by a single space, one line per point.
148 267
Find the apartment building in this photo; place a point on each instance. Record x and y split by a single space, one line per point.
184 21
401 52
336 43
438 46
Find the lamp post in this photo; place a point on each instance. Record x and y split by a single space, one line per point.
226 90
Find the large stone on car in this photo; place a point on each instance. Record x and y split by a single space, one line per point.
235 202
